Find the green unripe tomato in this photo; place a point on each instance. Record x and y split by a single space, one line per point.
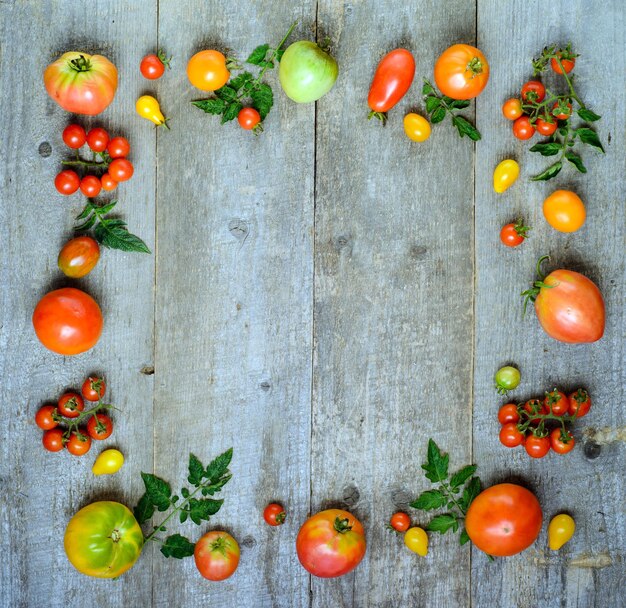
307 72
506 379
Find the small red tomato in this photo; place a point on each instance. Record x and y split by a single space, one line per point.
508 413
579 403
513 235
78 257
108 183
568 64
556 402
562 110
90 186
67 182
545 127
53 440
118 147
274 514
535 406
216 555
562 441
152 66
510 435
44 418
99 426
522 128
248 118
74 136
512 108
78 444
71 405
121 169
97 139
400 521
537 447
533 92
93 388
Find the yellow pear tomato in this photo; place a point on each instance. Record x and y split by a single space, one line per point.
148 107
505 175
109 462
560 530
416 540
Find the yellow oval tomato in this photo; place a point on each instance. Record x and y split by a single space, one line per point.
207 70
416 540
416 127
560 530
148 107
107 463
505 175
564 211
103 540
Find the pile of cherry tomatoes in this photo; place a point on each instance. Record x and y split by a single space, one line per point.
80 426
113 165
527 423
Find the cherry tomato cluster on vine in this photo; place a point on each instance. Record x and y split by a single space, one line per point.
112 168
531 424
68 425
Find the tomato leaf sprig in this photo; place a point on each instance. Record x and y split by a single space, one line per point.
228 100
446 495
158 496
109 232
440 105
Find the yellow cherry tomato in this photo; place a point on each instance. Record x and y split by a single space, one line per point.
560 530
416 127
564 211
416 540
505 175
148 107
109 462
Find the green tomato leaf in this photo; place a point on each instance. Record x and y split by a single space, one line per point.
432 103
196 471
231 111
590 137
436 466
465 127
471 491
227 93
547 149
461 476
262 99
464 538
177 546
258 55
438 115
218 467
210 106
431 499
183 516
240 80
427 88
443 523
576 161
158 491
144 509
114 235
88 224
106 208
588 115
549 173
85 212
202 509
459 104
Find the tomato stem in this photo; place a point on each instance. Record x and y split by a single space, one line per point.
80 64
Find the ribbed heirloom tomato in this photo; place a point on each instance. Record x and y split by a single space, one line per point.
331 543
504 519
68 321
461 72
103 540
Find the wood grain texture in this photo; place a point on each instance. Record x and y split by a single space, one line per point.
234 305
589 571
393 303
41 491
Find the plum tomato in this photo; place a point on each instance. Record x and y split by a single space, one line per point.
508 413
44 418
90 186
579 403
67 182
78 444
53 440
78 257
400 521
70 405
274 514
93 388
512 108
118 147
392 79
74 136
537 447
98 139
510 435
505 175
99 426
522 128
533 92
556 402
561 441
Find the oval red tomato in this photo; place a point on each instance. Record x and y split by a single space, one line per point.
81 83
331 543
68 321
504 519
392 79
461 72
78 257
216 555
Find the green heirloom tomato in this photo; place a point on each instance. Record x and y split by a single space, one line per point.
307 72
103 540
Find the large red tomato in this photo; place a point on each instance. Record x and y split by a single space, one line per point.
331 543
461 72
216 555
81 83
504 519
571 309
67 321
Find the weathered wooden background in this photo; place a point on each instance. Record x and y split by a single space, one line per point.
324 298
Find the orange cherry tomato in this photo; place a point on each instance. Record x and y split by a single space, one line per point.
108 183
207 70
79 256
522 128
461 72
512 108
564 211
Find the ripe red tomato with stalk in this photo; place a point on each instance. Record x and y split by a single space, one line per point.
74 136
510 435
508 413
562 110
93 388
153 66
248 119
99 427
514 234
400 521
461 72
535 406
545 127
274 514
579 403
556 402
78 444
216 555
533 92
70 405
562 441
44 418
392 80
537 447
523 128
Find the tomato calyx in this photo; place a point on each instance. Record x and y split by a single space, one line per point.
80 64
382 116
475 66
521 229
530 295
342 525
219 545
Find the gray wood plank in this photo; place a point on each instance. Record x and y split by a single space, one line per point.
42 490
393 303
234 306
589 571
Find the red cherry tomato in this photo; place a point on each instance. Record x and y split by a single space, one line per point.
118 147
53 440
556 402
99 426
392 80
67 182
74 136
97 139
44 418
78 257
514 234
274 514
90 186
121 169
568 64
93 388
248 118
522 128
512 108
78 445
537 447
562 441
562 110
400 521
579 403
533 92
108 183
70 405
152 67
508 413
535 406
510 435
544 127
